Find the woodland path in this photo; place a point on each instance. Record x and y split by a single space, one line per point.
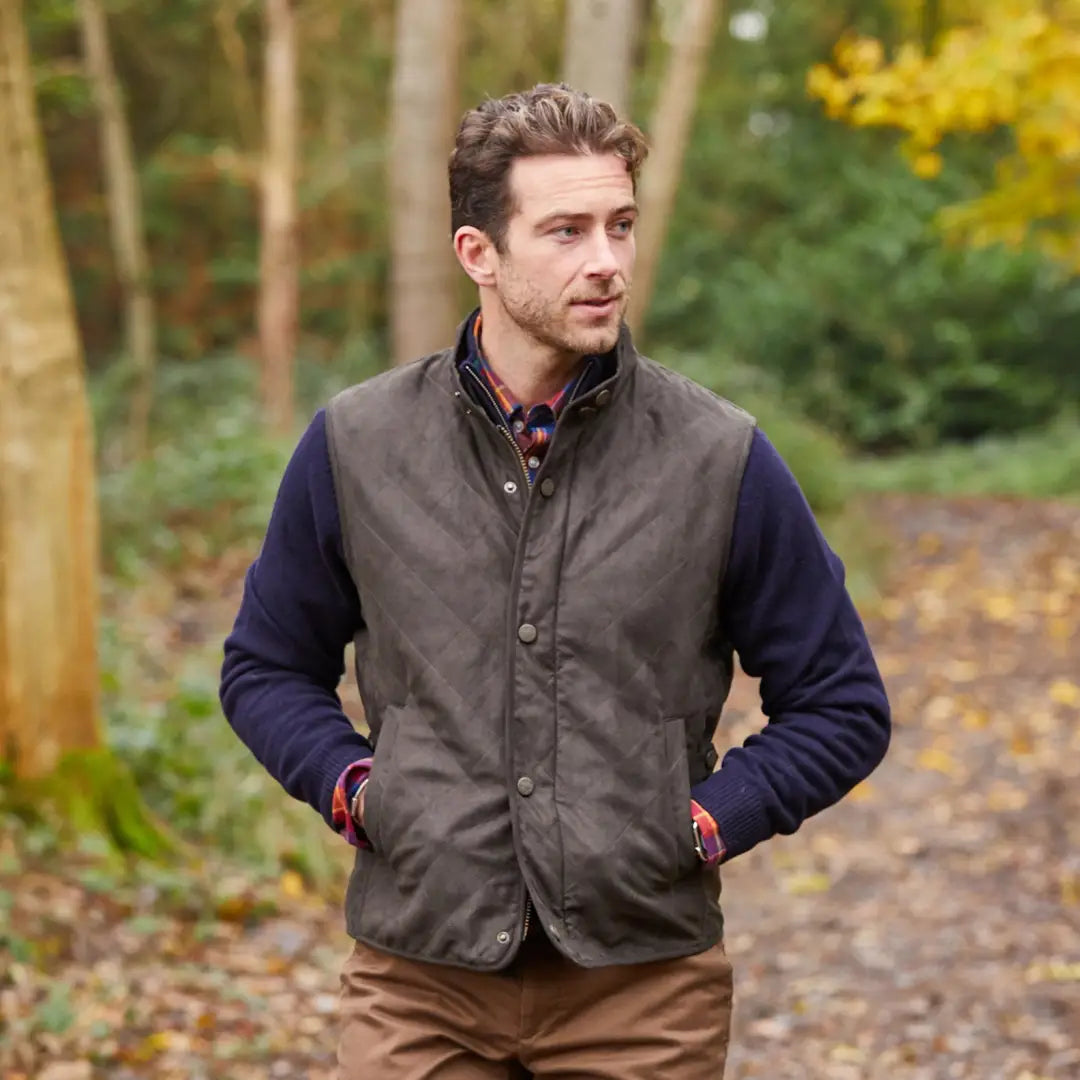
927 928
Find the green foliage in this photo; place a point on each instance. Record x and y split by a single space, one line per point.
1040 464
206 489
89 801
210 478
809 252
166 724
55 1014
208 481
796 247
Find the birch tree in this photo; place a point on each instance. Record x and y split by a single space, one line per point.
125 216
48 525
279 259
50 731
598 53
669 134
423 104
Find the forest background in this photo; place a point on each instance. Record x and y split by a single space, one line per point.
862 223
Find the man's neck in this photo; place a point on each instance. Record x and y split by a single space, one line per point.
530 370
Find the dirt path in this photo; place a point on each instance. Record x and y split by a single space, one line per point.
928 927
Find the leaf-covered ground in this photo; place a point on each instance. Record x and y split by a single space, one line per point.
926 928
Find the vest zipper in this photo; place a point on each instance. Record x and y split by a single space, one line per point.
502 428
528 916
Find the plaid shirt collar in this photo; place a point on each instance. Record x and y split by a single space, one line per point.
513 413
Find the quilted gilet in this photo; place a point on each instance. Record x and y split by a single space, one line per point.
541 668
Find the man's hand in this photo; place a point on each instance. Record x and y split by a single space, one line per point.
357 808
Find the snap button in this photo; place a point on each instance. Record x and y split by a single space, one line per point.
525 786
587 411
510 487
527 633
547 487
502 937
603 398
534 462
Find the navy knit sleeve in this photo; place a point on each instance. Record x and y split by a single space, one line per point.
285 654
789 617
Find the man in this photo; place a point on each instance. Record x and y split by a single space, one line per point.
546 550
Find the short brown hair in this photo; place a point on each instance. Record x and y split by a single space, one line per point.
551 118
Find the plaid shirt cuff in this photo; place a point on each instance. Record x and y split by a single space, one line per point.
710 834
349 783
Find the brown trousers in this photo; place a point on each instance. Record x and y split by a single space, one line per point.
544 1016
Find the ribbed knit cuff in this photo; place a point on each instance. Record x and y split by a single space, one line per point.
737 809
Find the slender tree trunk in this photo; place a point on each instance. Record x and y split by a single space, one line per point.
48 521
279 264
234 49
423 104
669 132
598 53
125 218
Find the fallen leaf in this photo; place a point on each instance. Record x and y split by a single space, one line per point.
1020 744
1000 608
1064 692
975 719
935 759
1053 971
864 792
807 884
292 884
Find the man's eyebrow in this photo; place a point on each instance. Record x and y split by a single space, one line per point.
571 215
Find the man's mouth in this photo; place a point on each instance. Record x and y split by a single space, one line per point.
599 303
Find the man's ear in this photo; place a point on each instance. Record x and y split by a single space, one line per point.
476 253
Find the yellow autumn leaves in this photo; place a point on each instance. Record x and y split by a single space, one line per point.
1010 65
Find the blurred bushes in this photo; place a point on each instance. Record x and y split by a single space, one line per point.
1043 465
808 250
210 479
797 247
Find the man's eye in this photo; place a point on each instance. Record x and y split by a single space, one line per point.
624 226
567 232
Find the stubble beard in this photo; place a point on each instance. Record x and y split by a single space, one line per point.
550 321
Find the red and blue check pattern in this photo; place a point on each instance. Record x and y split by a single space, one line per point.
531 428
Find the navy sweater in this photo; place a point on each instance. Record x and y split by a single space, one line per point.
785 609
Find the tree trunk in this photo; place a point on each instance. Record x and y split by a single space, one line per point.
279 263
226 16
423 105
48 520
125 218
599 49
50 731
669 132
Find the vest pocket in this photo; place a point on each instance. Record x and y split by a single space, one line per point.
678 776
380 767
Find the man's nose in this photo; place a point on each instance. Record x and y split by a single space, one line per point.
602 261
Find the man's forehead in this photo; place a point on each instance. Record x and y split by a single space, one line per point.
580 181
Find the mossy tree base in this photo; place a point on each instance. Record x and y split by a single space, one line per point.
92 794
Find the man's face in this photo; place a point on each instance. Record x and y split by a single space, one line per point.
564 275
